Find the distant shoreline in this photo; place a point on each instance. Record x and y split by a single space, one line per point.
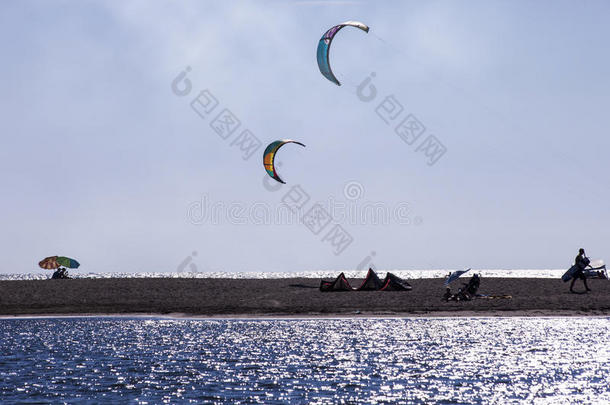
438 314
412 274
296 298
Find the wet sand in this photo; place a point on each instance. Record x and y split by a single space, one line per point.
297 297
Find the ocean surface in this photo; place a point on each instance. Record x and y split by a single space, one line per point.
409 274
325 361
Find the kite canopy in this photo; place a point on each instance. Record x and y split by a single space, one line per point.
324 48
338 284
269 157
455 275
371 282
54 262
395 283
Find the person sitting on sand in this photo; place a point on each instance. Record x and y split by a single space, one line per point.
60 273
581 262
467 292
464 294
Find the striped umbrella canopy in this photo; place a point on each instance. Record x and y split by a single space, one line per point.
54 262
49 263
67 262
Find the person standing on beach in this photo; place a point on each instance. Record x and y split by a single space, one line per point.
580 262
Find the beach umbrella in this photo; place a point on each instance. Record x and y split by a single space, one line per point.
49 263
54 262
67 262
455 275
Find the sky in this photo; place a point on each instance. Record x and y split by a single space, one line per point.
113 150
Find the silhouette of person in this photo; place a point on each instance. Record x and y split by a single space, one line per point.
581 262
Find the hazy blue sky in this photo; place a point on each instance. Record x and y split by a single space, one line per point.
102 161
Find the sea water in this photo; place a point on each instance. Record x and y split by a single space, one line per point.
426 360
331 274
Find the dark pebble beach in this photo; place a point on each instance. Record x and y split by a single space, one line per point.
296 297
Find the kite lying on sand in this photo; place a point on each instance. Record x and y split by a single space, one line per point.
371 283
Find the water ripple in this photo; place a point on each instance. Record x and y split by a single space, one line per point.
500 360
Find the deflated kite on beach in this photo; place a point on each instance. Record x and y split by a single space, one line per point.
371 283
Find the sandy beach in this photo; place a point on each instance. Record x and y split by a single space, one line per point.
292 297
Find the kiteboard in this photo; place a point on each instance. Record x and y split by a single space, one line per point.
567 276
